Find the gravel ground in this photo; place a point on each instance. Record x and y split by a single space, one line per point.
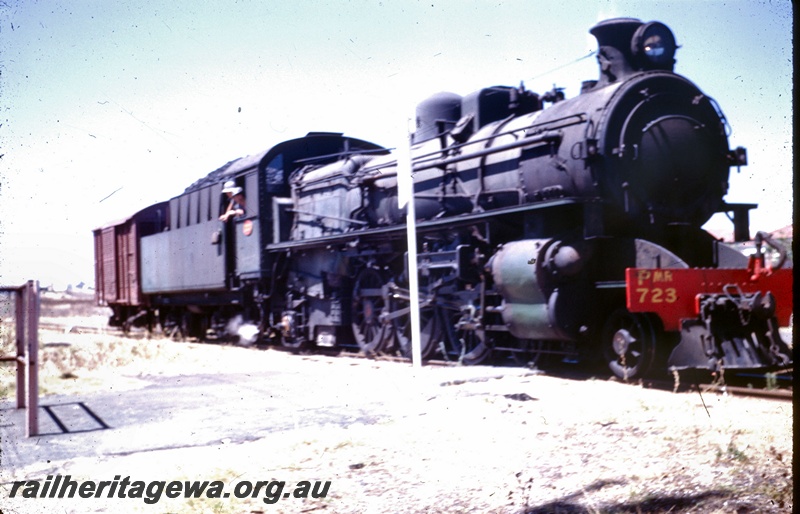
521 443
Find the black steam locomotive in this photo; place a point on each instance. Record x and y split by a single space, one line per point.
545 227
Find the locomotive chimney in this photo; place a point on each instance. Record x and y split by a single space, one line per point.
627 45
614 48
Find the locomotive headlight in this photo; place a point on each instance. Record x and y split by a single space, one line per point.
654 46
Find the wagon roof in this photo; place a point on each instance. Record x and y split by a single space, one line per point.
137 214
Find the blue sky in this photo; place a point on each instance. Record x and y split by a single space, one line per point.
108 106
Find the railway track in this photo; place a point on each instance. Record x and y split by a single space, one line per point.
68 328
765 385
775 386
774 394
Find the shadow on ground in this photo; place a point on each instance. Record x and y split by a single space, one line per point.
675 504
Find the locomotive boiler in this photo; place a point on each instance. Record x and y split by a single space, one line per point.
547 228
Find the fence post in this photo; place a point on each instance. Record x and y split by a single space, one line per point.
20 336
32 305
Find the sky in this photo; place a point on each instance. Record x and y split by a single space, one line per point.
107 107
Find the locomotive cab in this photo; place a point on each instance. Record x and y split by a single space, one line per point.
209 272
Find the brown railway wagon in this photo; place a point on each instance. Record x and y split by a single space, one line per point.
116 257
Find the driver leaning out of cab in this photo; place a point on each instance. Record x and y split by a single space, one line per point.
236 201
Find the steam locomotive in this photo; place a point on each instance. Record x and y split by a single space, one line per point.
546 228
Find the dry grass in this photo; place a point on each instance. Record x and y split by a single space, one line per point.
70 361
